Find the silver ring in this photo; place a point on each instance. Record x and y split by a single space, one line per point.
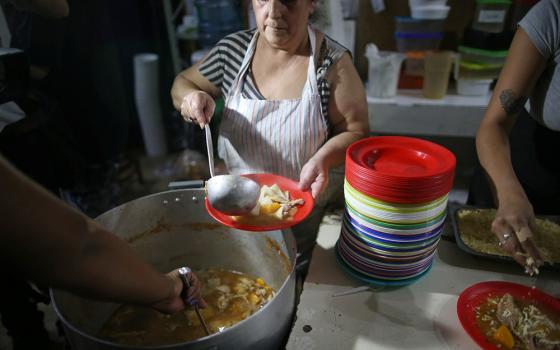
184 270
184 276
504 240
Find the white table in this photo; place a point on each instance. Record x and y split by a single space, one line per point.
410 113
419 316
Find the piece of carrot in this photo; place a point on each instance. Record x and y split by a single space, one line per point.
269 208
504 337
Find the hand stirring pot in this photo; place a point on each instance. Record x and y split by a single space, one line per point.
183 274
230 194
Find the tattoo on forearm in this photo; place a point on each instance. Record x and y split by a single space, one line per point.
511 103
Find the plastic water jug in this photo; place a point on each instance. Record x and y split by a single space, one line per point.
216 19
383 72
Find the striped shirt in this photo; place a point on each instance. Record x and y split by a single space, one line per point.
224 61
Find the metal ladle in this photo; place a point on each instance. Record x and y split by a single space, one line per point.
229 194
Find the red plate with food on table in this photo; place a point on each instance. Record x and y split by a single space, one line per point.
281 205
504 315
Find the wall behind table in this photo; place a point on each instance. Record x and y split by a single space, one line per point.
379 28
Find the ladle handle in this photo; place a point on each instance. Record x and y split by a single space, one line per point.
210 149
183 274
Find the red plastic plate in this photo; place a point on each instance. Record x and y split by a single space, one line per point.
398 195
477 294
397 157
285 184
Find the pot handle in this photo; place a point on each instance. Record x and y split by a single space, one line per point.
180 185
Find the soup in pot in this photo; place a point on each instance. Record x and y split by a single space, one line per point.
231 296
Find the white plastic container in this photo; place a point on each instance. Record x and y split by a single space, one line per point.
429 11
473 87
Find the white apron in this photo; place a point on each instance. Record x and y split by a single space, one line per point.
279 137
271 136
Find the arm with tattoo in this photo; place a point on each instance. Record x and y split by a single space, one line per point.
511 103
515 216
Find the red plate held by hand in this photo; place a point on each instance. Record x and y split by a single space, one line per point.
477 294
252 223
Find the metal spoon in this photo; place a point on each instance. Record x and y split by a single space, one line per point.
229 194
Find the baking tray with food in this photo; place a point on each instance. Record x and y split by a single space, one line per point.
472 231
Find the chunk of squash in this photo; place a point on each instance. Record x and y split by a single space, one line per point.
504 337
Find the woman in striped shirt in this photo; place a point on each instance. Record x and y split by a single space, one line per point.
293 100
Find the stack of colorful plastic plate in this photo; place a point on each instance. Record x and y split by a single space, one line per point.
396 199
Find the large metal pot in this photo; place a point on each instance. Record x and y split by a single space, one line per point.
172 229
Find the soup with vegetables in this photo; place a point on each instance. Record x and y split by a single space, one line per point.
231 296
518 324
272 206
